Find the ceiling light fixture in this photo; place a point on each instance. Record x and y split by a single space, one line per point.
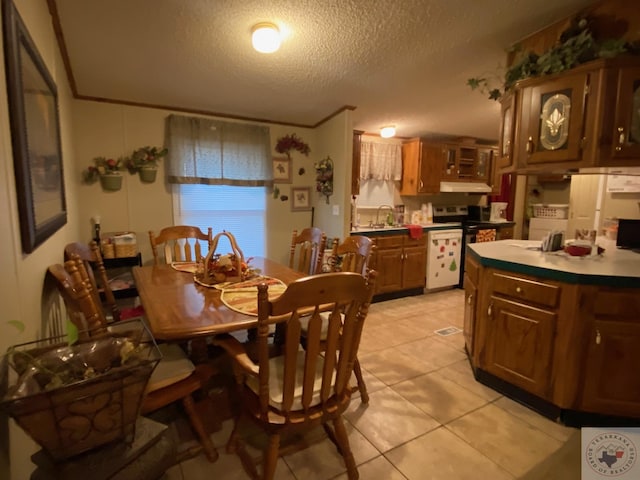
388 132
265 37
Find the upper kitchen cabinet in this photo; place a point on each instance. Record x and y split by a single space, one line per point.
585 117
504 156
355 162
422 163
627 122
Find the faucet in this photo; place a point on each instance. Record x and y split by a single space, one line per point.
391 212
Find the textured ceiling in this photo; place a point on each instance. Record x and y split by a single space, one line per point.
404 62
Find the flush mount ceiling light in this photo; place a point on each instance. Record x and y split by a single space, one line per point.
265 37
388 132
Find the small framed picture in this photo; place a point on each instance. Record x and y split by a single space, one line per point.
282 170
300 199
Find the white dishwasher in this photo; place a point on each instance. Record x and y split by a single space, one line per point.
443 258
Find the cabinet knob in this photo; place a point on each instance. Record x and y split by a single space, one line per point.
598 337
529 146
469 299
490 309
620 139
518 290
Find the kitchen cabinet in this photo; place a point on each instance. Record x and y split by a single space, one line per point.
421 167
471 270
400 261
426 164
521 315
612 339
355 162
572 346
584 117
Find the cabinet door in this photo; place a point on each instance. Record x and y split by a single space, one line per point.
430 168
470 302
410 167
414 267
554 115
519 347
504 158
450 168
388 264
482 168
612 383
627 125
355 162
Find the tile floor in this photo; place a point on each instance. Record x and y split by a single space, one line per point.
427 417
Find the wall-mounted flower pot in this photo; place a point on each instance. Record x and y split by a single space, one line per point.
111 182
148 174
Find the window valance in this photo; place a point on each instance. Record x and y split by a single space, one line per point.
215 152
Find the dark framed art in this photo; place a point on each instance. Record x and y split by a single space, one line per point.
35 134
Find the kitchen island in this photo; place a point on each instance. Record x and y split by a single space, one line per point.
559 333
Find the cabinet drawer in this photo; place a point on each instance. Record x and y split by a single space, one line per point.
617 304
526 290
413 242
388 242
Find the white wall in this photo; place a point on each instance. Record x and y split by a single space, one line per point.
22 279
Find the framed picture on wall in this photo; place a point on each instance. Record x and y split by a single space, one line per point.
282 170
35 134
300 199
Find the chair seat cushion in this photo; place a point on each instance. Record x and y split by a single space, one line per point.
276 374
304 324
174 366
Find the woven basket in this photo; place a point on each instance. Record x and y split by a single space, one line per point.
77 417
218 277
128 250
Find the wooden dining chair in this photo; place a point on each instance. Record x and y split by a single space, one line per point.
182 243
352 255
94 266
174 378
301 389
307 250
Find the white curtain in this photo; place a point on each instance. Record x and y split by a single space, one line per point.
380 161
213 152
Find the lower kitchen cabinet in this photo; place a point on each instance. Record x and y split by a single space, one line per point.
471 269
574 347
612 351
400 261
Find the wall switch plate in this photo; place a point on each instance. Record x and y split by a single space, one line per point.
336 209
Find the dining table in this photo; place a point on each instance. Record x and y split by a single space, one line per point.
178 308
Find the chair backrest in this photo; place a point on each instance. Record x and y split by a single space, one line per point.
94 265
81 300
182 243
314 381
352 255
307 249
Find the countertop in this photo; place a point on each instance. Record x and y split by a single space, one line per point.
614 267
401 229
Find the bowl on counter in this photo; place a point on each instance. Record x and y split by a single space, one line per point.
580 249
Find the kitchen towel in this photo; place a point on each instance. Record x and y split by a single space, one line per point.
415 231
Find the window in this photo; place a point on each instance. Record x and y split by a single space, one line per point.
238 210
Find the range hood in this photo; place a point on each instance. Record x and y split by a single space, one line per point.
468 187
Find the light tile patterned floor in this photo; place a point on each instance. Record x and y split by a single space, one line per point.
427 417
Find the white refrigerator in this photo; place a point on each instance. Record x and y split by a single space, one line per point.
443 258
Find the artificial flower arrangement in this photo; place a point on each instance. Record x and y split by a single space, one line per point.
102 166
145 157
292 142
324 177
224 266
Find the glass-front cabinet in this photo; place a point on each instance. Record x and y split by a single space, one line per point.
553 120
451 162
